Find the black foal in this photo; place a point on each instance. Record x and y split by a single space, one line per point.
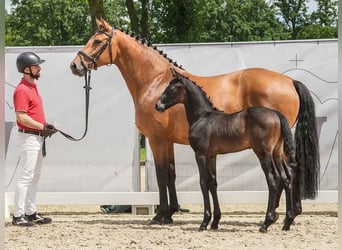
213 132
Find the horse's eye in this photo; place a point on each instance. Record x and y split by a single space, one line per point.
97 42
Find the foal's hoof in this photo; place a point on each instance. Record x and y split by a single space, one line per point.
155 222
214 227
276 218
167 221
286 228
202 228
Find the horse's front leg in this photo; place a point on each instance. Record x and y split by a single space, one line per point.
204 183
213 191
160 153
171 185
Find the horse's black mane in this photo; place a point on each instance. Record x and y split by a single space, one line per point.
143 40
179 76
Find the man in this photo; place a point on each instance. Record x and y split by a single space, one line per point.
33 129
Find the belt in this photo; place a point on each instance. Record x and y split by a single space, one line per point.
35 133
30 132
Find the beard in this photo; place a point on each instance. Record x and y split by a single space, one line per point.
36 76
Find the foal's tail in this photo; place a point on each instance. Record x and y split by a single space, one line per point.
307 145
289 146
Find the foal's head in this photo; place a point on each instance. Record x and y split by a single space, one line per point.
180 90
173 94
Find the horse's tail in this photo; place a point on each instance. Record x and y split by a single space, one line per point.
289 146
307 145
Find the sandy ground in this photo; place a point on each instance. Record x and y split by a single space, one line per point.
85 227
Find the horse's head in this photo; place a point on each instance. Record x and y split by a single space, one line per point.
97 52
173 94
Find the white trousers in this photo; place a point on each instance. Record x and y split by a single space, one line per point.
29 170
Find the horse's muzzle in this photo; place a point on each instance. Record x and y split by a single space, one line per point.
77 71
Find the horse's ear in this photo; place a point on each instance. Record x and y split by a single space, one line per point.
102 24
99 23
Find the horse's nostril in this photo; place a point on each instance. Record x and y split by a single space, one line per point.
73 68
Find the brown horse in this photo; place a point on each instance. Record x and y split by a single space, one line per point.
214 132
146 73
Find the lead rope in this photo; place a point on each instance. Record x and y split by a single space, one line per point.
87 89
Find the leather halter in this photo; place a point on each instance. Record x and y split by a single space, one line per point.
93 58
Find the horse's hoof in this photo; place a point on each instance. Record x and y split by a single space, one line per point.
287 225
214 227
263 229
297 212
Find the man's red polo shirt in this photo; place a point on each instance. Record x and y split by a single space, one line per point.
27 99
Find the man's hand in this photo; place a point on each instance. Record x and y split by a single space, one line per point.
48 130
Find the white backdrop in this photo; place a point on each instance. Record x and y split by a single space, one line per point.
106 160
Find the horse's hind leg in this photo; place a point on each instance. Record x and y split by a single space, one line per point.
296 192
279 193
273 180
202 163
297 203
213 191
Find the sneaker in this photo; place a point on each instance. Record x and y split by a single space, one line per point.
38 219
22 221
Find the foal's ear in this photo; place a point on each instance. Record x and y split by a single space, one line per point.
173 72
102 24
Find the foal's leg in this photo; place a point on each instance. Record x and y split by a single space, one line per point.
213 191
296 201
279 192
273 180
287 177
202 163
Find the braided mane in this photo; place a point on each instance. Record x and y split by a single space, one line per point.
145 41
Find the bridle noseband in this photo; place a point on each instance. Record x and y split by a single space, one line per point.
93 58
